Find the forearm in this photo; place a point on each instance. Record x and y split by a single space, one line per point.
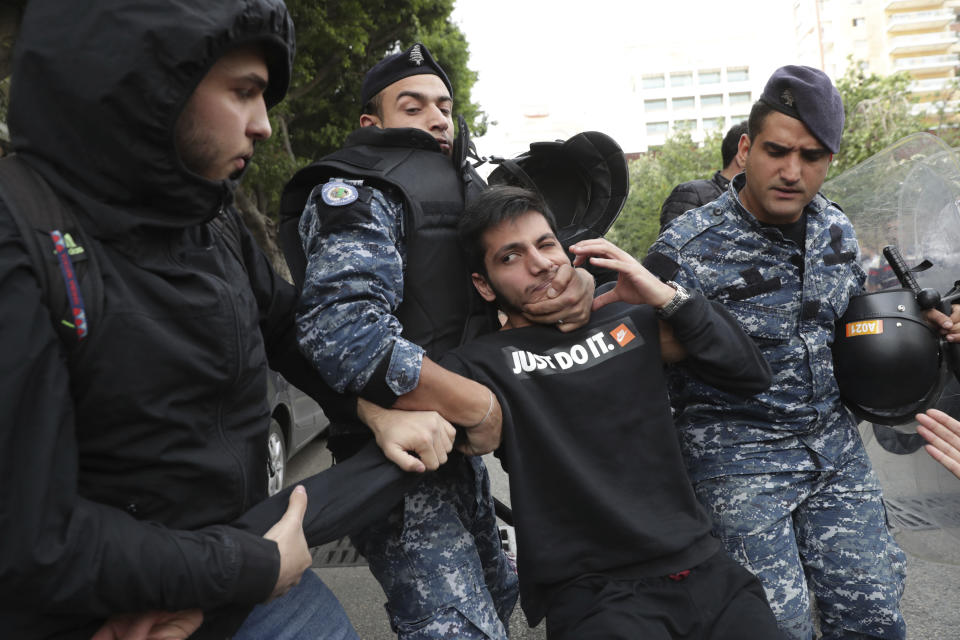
353 285
459 400
342 500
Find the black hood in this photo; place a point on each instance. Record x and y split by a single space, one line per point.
97 88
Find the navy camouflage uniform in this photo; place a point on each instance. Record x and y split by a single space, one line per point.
438 558
784 474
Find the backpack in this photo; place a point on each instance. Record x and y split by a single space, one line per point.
60 251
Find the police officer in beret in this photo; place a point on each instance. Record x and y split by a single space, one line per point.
784 474
386 293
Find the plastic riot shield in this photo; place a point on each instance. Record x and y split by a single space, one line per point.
907 197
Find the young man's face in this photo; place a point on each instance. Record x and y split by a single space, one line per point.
521 258
421 102
225 116
785 166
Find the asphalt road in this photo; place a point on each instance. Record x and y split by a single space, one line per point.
931 602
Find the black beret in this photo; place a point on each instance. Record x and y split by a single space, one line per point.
808 95
415 60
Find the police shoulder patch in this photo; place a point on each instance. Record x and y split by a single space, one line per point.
337 193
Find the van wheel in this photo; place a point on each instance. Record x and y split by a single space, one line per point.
276 458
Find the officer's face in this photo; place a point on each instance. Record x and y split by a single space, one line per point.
225 115
422 102
785 167
521 258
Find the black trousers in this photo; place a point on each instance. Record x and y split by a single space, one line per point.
717 600
341 500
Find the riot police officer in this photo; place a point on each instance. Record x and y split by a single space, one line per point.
385 293
784 474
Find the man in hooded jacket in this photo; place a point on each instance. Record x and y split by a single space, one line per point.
124 461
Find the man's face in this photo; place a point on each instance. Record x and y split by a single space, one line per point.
521 258
225 116
421 102
785 166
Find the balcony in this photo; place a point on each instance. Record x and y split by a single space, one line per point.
919 20
926 64
894 5
930 85
926 42
933 108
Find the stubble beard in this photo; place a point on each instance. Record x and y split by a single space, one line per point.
195 146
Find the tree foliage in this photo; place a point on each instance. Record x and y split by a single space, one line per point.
10 14
652 177
877 115
11 11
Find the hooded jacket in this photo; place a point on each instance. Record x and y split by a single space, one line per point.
121 467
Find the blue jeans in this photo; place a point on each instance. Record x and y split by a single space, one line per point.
308 611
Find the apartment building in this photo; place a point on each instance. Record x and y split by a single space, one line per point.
919 37
699 101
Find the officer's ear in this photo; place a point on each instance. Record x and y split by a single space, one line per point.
743 150
483 287
370 120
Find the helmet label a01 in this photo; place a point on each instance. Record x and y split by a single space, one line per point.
864 328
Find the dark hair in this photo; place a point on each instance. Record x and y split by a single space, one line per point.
494 205
731 143
758 115
374 106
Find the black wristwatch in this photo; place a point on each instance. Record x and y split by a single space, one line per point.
678 299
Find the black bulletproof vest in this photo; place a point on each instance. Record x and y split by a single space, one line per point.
440 307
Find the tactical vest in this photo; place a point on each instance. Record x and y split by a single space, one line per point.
440 307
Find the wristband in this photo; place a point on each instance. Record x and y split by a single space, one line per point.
486 415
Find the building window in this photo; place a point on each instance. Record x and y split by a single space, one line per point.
654 82
681 79
709 77
683 103
859 22
656 128
738 74
712 100
740 117
710 124
685 125
655 105
740 97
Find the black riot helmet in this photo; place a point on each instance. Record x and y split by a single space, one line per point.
889 363
584 182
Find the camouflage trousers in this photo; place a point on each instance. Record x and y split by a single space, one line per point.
821 531
439 560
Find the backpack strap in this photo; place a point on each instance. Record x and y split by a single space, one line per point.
61 252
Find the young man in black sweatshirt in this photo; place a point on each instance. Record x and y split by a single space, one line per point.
611 540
